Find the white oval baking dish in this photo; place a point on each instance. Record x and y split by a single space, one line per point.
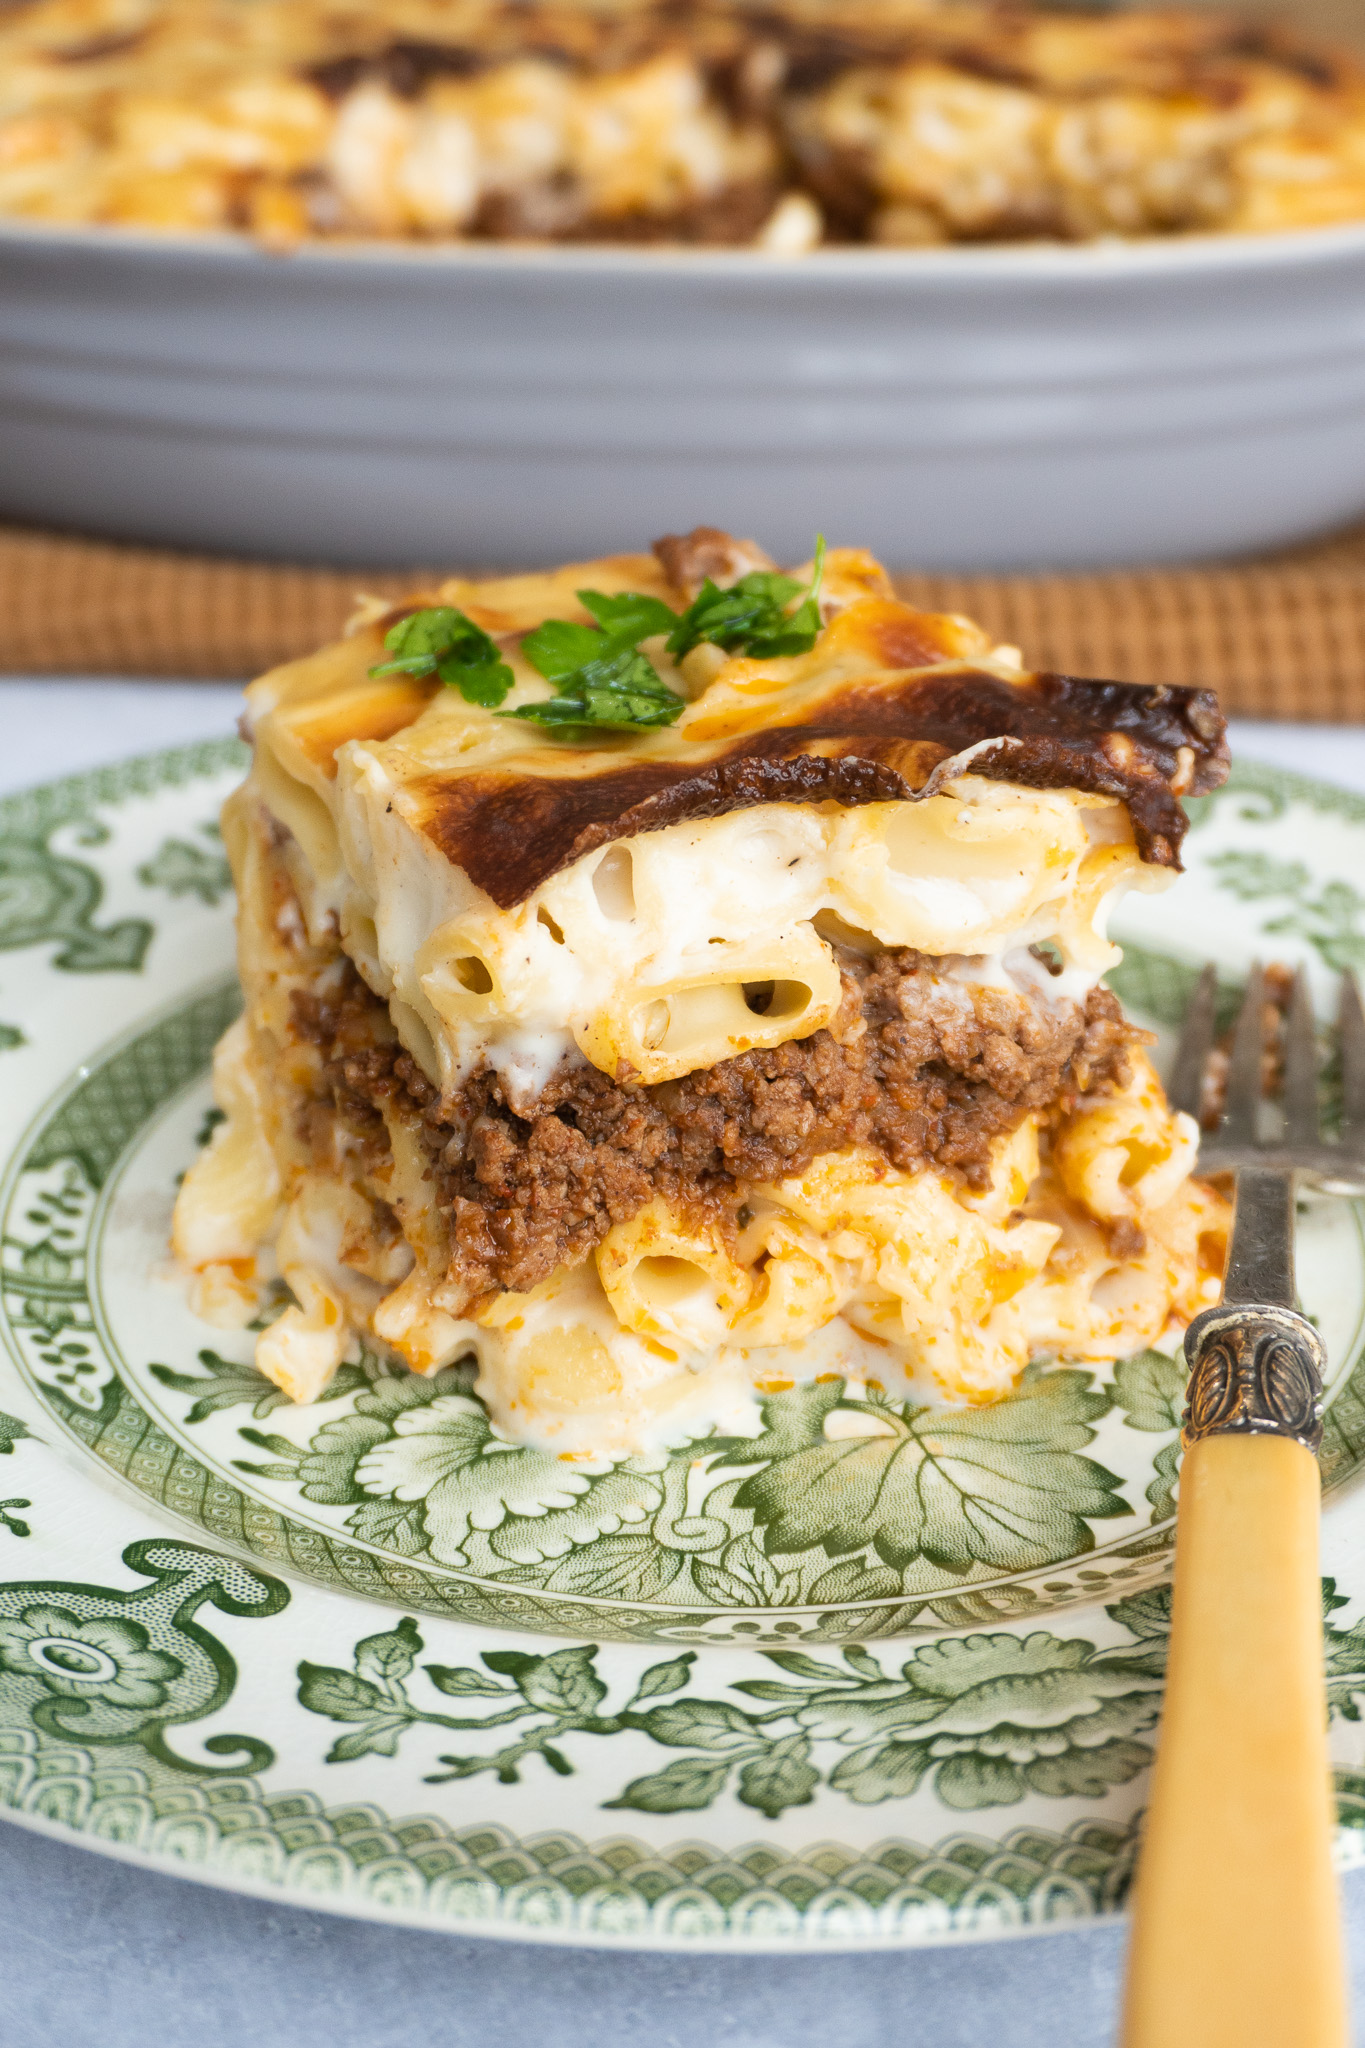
966 408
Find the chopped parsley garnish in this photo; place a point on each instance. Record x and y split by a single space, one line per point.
441 641
600 676
619 690
751 616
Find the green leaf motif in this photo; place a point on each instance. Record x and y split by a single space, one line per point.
1000 1486
747 1577
1007 1714
10 1037
327 1469
444 1454
394 1524
391 1656
46 897
1146 1615
511 1663
784 1777
684 1786
341 1695
665 1678
1084 1773
564 1683
623 1567
227 1384
1254 876
1151 1390
1161 1487
802 1666
889 1770
184 869
460 1682
118 949
1345 1659
852 1579
1329 920
379 1737
12 1431
985 1720
702 1724
988 1717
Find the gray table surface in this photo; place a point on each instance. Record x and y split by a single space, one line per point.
100 1954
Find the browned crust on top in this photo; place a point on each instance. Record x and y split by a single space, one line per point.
891 742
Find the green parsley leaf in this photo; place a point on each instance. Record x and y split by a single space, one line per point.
557 648
439 640
600 677
486 682
751 617
630 617
620 691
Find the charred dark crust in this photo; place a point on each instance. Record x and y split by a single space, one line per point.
893 742
738 785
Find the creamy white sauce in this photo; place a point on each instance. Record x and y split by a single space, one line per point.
662 1401
985 870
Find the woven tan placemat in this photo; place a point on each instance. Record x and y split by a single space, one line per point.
1278 637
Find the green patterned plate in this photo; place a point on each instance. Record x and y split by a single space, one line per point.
937 1726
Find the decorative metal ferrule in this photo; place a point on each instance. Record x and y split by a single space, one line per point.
1254 1372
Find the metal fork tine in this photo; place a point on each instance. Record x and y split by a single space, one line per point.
1300 1068
1352 1039
1196 1042
1240 1120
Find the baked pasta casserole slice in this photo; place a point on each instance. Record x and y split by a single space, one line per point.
667 978
784 123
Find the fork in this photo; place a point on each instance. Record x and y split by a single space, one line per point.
1236 1939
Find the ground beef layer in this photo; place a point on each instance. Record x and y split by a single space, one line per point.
923 1070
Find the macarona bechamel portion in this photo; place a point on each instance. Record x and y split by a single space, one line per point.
667 978
783 126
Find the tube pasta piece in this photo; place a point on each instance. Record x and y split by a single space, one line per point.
656 1067
802 1281
1126 1155
922 871
1094 1304
664 1279
741 997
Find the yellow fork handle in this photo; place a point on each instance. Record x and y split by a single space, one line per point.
1236 1939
